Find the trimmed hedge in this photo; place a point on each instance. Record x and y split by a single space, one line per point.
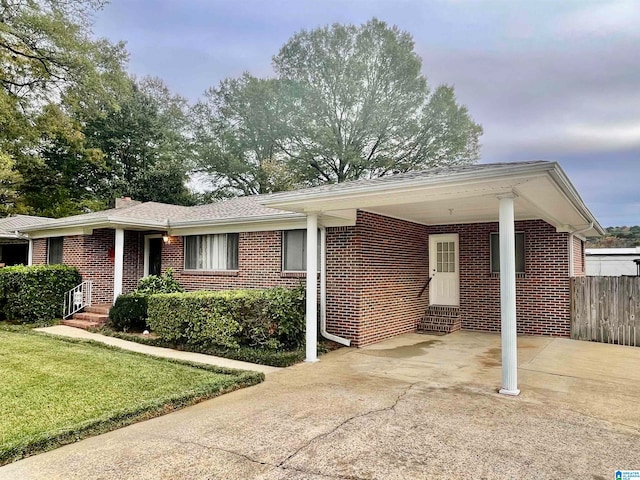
129 312
271 318
35 294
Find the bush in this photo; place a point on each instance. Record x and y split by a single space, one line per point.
129 312
152 284
35 294
271 319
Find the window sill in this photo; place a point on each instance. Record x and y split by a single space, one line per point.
291 274
518 275
212 273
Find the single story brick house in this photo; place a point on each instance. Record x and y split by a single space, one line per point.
471 247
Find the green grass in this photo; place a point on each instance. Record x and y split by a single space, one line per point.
262 356
56 391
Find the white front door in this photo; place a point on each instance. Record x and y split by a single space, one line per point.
444 269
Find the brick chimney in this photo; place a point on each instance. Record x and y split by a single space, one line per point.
125 202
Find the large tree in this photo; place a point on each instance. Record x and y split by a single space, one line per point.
237 138
52 75
146 145
360 106
348 102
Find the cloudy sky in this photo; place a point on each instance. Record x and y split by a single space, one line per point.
547 80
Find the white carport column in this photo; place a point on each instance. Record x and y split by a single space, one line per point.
30 253
118 263
312 289
508 296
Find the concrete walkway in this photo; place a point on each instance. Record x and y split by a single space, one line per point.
413 407
72 332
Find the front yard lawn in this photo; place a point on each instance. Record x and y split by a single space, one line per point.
55 391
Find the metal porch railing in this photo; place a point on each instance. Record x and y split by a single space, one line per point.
77 298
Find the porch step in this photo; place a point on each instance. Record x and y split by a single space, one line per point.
441 319
102 308
93 317
84 324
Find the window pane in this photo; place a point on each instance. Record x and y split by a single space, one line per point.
232 251
191 253
495 252
55 250
294 250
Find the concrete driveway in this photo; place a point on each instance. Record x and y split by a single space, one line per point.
413 407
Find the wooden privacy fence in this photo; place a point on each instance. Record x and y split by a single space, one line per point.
606 309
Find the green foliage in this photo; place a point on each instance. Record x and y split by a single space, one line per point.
152 284
262 356
129 312
349 102
35 294
272 318
617 237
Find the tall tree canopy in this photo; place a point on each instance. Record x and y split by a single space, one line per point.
75 129
348 102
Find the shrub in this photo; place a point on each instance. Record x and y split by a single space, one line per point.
272 318
129 312
35 294
152 284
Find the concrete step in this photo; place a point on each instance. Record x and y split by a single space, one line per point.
102 308
99 318
84 324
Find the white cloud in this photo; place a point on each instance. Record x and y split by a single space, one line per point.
602 19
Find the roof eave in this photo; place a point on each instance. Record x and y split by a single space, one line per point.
284 200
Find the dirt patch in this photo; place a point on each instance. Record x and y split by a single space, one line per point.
407 351
491 358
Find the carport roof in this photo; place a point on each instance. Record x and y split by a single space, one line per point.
454 195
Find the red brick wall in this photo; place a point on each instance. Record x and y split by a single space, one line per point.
578 257
394 269
259 265
92 255
344 286
39 251
542 293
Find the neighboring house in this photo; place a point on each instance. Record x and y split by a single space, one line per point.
378 243
613 262
14 247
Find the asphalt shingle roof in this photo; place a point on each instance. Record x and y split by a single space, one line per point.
9 225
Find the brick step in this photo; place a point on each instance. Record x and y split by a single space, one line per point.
443 311
102 308
99 318
431 323
84 324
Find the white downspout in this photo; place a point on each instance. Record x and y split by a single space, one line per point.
323 292
571 235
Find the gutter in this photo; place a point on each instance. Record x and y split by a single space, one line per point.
323 293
